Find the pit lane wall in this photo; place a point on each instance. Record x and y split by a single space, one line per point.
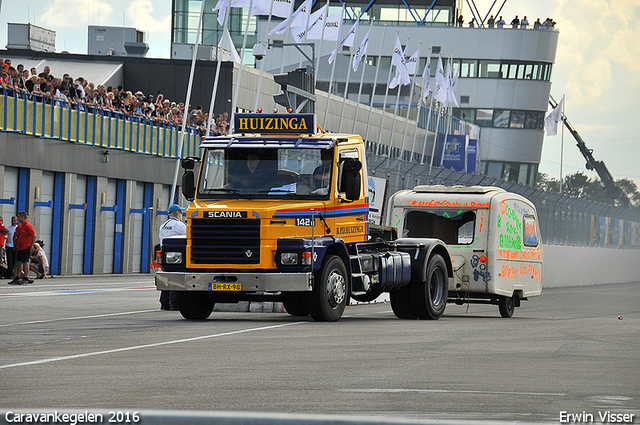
577 265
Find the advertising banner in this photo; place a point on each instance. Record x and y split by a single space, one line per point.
454 152
377 195
472 156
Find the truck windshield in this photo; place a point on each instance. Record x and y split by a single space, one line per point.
453 227
266 173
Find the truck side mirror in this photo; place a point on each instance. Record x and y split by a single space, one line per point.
189 185
189 163
350 182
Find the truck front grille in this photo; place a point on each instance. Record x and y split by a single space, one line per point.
225 241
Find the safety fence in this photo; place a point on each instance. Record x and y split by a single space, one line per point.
38 116
563 220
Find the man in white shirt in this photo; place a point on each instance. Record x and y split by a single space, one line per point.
172 227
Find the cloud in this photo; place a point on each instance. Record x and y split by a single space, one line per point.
142 13
72 13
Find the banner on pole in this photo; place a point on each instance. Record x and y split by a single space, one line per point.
472 156
453 155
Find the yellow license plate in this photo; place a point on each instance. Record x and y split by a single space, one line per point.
225 286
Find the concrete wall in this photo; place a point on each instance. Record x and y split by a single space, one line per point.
576 266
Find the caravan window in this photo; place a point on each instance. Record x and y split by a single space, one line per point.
453 227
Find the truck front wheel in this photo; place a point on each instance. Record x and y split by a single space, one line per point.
329 296
195 305
430 297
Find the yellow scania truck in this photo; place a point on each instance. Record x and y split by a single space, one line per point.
279 212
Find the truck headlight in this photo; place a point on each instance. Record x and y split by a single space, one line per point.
173 257
289 258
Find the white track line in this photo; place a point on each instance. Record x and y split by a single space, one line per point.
137 347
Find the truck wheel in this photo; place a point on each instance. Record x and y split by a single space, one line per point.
507 305
329 295
430 297
296 304
195 305
401 304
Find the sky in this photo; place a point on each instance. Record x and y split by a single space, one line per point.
597 65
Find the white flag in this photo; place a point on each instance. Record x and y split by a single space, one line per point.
426 74
227 43
223 5
281 8
315 19
440 88
451 96
412 62
346 41
298 18
362 50
551 121
402 73
332 27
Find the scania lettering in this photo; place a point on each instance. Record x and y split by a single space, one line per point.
281 216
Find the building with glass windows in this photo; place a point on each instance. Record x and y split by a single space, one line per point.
504 74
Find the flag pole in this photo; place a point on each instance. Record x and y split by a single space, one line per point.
333 70
186 106
384 104
425 87
218 65
244 46
255 104
286 37
413 84
364 58
395 111
375 83
562 143
346 85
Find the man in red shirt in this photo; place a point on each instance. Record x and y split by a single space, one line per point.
24 238
4 231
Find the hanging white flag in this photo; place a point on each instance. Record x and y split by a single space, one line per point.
440 87
426 75
280 8
346 41
315 19
362 50
223 5
402 73
227 44
452 85
412 62
298 18
332 27
551 121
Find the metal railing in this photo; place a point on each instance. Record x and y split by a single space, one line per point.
563 220
38 116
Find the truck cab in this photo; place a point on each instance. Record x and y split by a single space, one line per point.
493 237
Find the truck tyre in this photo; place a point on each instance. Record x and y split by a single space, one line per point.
195 305
430 297
507 305
329 296
296 304
401 304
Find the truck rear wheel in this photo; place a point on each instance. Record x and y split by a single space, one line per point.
430 297
195 305
296 304
401 304
329 296
507 305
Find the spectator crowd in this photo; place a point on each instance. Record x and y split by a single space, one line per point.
80 94
515 23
